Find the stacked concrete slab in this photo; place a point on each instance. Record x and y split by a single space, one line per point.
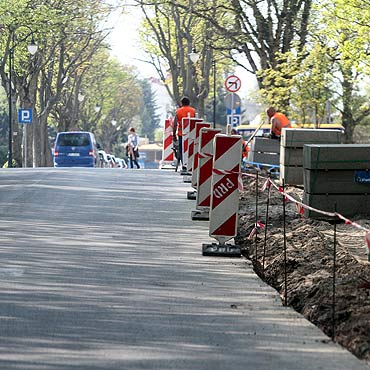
337 176
291 151
264 151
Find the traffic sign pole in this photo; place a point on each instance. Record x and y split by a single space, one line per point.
25 118
24 146
232 110
232 84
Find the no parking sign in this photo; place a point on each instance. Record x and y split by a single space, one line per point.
233 83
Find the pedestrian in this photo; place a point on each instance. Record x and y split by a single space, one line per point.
278 122
133 148
184 111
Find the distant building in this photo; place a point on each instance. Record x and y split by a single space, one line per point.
151 154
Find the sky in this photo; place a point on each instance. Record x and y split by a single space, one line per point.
125 46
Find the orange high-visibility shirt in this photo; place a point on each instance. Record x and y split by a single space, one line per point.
245 149
284 123
183 112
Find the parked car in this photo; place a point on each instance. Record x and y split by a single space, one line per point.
75 149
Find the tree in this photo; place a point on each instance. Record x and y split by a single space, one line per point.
149 117
4 118
258 29
68 33
117 90
305 82
171 32
346 31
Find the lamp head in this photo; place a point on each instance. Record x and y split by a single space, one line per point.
194 56
32 47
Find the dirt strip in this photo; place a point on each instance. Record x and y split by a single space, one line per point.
310 246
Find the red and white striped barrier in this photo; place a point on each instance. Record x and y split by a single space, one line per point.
194 177
225 187
167 152
204 180
191 145
186 138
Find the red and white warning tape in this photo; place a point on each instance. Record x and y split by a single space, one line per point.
301 207
257 225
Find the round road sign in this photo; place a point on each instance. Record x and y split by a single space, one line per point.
233 83
232 102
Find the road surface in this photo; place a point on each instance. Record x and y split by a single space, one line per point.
102 269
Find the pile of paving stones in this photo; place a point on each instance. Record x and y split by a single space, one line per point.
309 264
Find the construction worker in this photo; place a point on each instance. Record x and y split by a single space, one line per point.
184 111
278 122
245 148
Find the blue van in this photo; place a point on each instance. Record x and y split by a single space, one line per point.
75 149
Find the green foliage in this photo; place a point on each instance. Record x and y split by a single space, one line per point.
158 135
344 28
6 164
68 34
301 85
116 89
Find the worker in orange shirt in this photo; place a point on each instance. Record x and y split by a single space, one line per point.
278 122
184 111
245 148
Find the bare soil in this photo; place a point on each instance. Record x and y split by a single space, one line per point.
309 264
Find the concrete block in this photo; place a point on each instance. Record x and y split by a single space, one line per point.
337 156
291 156
265 145
333 182
347 205
291 175
266 158
297 137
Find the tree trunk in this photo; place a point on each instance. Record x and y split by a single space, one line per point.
348 120
17 135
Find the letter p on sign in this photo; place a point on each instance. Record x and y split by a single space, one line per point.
24 115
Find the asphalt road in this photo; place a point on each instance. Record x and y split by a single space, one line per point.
102 269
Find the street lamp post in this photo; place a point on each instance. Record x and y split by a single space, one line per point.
194 57
32 48
214 92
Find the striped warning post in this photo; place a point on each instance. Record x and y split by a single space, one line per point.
224 191
194 177
167 152
186 138
205 164
192 124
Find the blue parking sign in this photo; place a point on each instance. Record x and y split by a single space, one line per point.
234 120
24 115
